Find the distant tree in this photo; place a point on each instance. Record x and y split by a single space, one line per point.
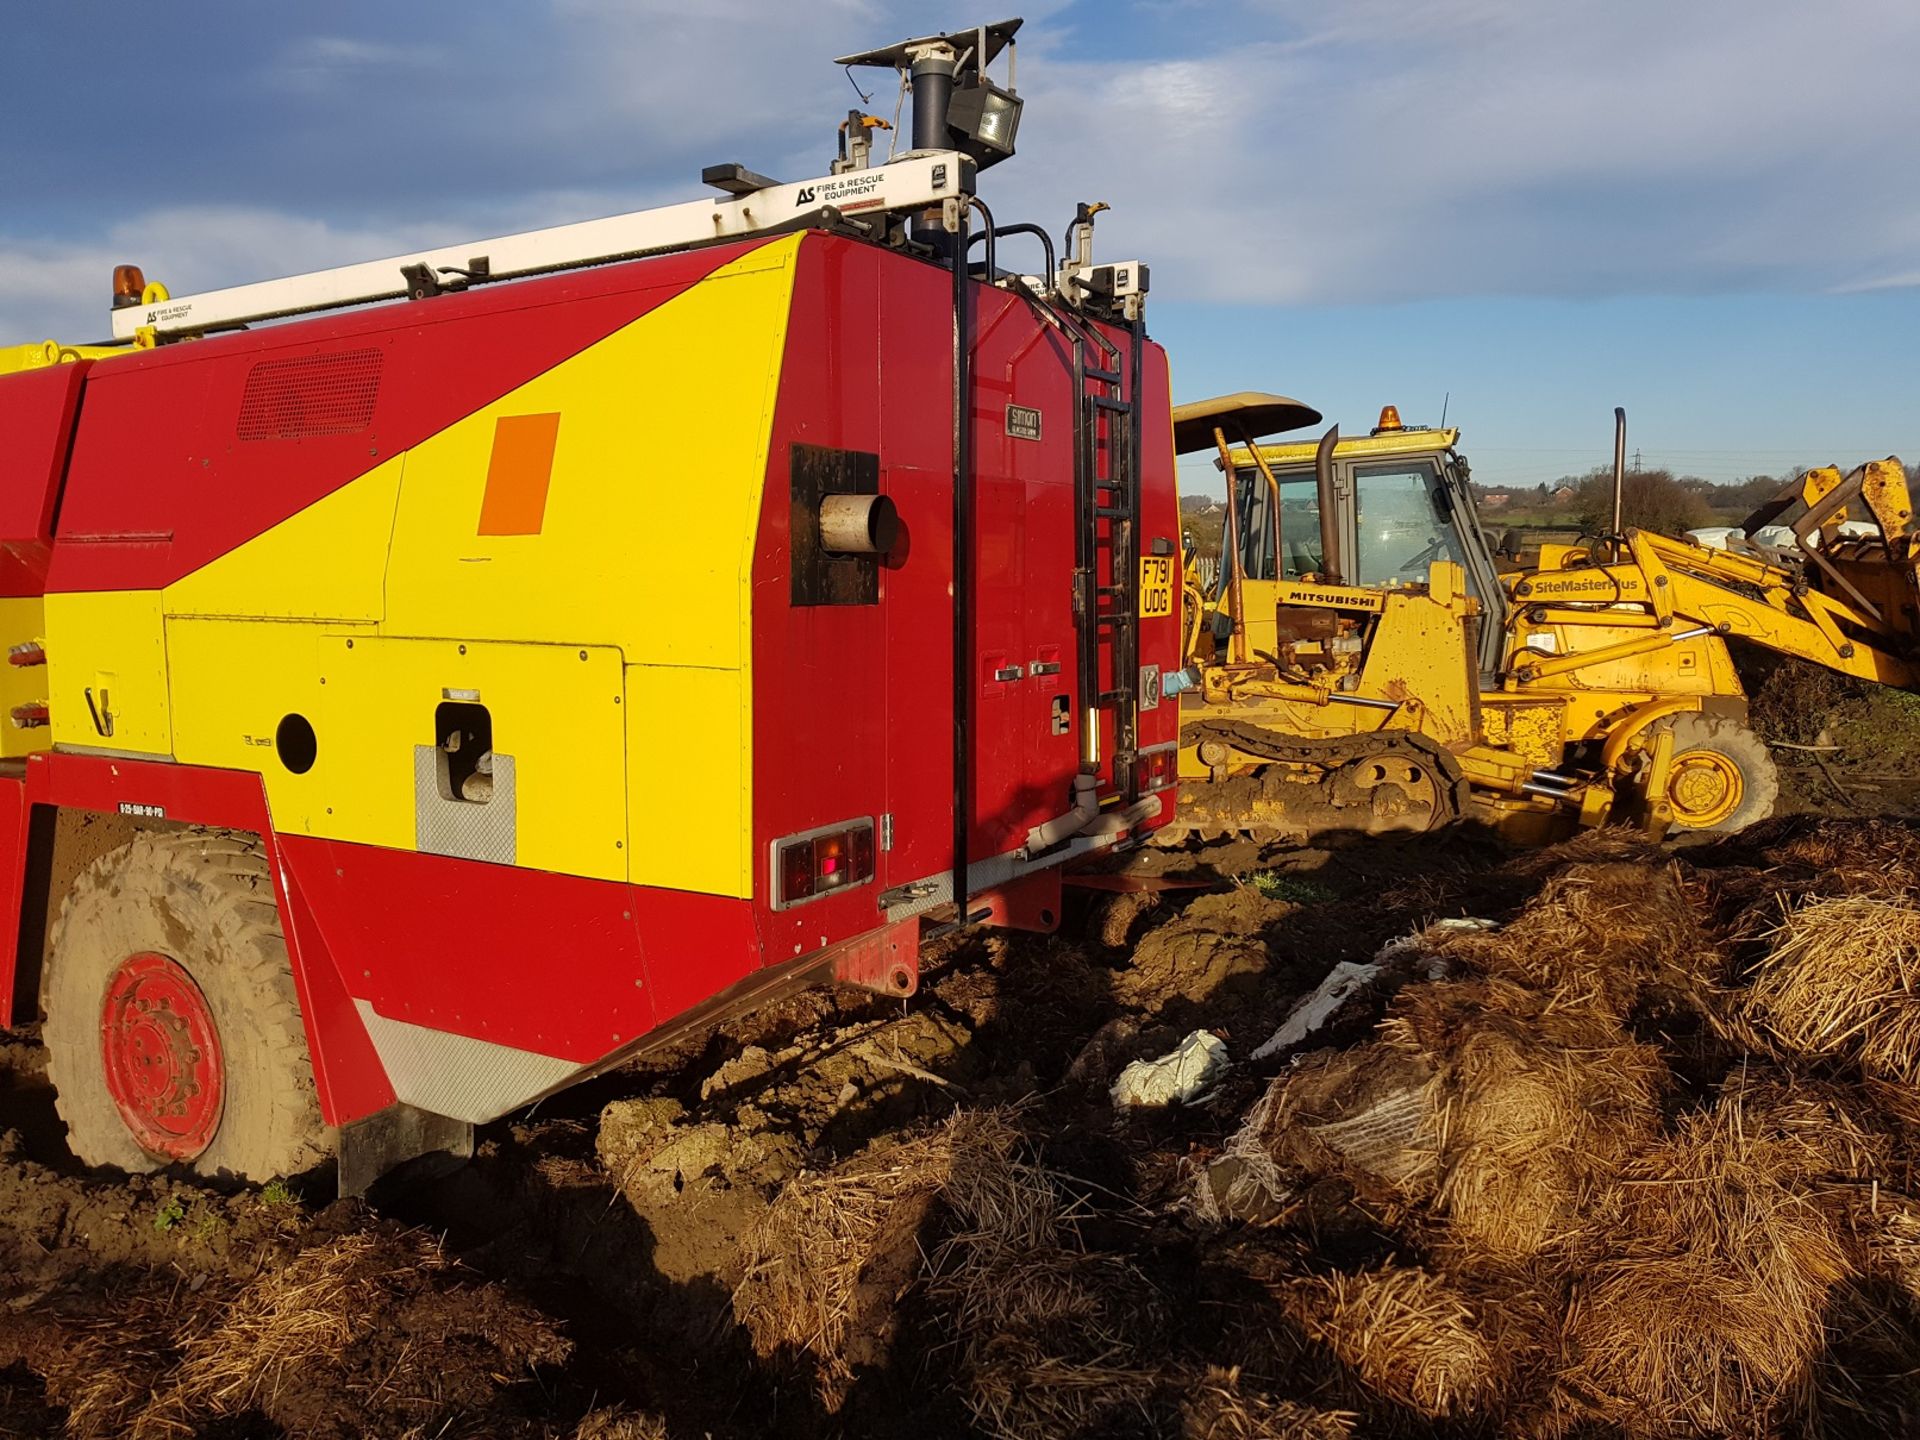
1743 497
1650 500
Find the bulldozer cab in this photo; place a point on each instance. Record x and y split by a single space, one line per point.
1374 512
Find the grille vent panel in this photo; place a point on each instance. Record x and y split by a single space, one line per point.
311 395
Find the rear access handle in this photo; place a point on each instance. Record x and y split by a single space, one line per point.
102 716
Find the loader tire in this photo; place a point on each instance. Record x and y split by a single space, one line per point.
173 1030
1722 777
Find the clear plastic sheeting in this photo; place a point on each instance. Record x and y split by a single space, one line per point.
1347 980
1350 978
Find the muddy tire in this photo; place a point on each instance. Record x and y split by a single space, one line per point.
1722 778
173 1031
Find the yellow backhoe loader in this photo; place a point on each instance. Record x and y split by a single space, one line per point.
1362 663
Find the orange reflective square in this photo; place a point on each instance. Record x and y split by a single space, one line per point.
518 474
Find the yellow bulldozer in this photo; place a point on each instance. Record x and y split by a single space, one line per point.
1364 661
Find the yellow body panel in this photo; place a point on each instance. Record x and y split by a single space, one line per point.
1532 730
1419 654
1691 667
112 643
649 526
233 683
326 563
560 717
685 720
375 605
22 622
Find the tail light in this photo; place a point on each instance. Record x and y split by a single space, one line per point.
1156 769
817 863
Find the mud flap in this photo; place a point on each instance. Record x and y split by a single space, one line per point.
387 1139
886 960
1031 902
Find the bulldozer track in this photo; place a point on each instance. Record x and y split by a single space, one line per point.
1330 755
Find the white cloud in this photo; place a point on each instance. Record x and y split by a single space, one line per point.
316 65
62 291
1907 281
1391 149
1271 151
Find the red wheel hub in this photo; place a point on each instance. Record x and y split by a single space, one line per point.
162 1054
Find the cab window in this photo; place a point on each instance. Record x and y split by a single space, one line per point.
1296 545
1401 530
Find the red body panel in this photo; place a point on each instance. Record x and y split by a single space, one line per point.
161 480
529 959
852 704
37 410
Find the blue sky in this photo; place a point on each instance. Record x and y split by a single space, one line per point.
1707 212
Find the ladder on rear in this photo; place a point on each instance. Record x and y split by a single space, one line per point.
1107 429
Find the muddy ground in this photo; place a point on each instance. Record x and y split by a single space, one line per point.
611 1264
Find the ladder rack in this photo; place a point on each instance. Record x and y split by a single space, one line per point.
922 181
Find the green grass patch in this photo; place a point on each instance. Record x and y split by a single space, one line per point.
1295 889
277 1195
169 1214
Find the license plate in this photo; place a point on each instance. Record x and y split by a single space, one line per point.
1156 586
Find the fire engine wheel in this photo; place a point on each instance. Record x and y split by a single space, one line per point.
173 1031
1721 778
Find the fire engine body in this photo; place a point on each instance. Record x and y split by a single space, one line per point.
514 625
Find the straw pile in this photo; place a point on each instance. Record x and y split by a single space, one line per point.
306 1339
1704 1296
1218 1407
1500 1107
102 1370
1843 979
1803 862
1612 935
1600 1187
1408 1335
828 1260
1043 1336
293 1317
618 1424
1868 857
1047 1338
314 1324
1538 1105
1862 1132
1051 1339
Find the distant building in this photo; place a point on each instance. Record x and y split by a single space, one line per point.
1563 493
1496 501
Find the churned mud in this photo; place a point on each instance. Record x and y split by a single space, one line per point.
1636 1161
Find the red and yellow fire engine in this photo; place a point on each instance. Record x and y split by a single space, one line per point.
418 706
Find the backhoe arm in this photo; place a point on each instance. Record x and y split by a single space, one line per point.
1684 590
